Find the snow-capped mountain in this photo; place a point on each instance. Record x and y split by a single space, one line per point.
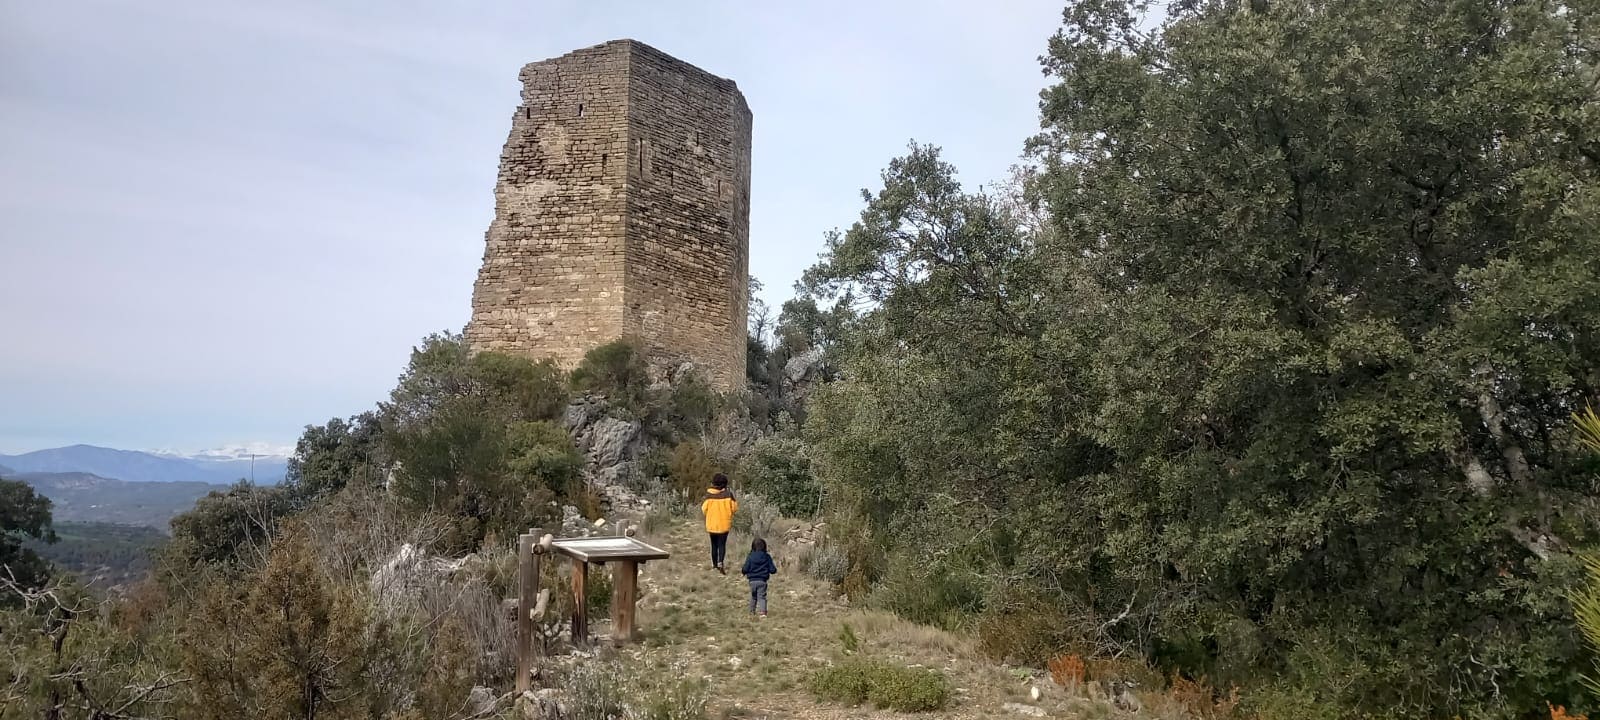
229 453
223 465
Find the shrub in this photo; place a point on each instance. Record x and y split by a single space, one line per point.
597 589
1067 671
930 594
655 463
1201 701
691 467
542 454
681 700
757 518
340 453
909 689
228 529
616 370
841 684
827 562
596 690
780 468
609 690
1025 626
667 504
850 536
528 390
886 686
685 409
848 639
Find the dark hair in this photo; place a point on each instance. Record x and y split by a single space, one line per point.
719 480
758 545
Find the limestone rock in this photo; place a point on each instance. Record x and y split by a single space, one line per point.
545 704
573 523
410 571
610 447
581 413
482 701
1021 709
804 366
610 442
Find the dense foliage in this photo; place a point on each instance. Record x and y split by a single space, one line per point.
328 457
24 517
470 435
1277 387
106 554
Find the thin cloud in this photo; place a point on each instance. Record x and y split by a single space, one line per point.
224 221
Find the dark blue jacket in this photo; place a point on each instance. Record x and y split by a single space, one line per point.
758 566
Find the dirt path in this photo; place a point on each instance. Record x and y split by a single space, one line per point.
695 622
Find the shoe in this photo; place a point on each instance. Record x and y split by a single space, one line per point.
722 570
763 616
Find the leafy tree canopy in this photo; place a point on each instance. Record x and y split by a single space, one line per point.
1281 389
24 515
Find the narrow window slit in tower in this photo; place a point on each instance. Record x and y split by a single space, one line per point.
527 113
580 109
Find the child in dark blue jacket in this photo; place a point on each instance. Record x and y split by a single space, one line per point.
758 568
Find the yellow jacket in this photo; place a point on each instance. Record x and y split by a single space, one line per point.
719 507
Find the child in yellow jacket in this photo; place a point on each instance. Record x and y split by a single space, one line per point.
719 507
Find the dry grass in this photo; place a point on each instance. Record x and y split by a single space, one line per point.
759 668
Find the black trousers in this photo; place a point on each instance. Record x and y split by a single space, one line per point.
719 548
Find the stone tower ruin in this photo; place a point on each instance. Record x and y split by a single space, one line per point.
622 209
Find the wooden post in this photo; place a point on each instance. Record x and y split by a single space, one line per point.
624 595
580 605
527 595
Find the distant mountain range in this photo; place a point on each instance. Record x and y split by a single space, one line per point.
82 497
216 467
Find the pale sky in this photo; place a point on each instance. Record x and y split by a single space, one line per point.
223 220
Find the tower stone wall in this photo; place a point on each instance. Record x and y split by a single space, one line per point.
621 210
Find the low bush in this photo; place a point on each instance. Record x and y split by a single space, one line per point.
826 561
779 467
758 518
848 640
1022 625
884 685
667 504
683 409
680 699
610 690
1202 701
690 467
931 594
596 691
843 683
616 370
1067 671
